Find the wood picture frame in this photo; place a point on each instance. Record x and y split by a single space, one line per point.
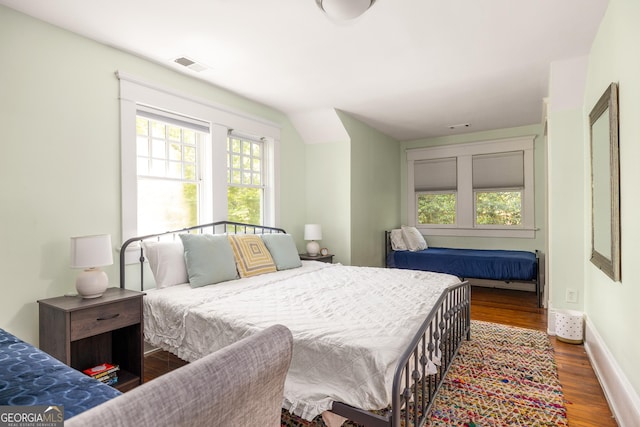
605 184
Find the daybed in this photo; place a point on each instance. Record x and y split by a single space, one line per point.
364 338
502 265
240 385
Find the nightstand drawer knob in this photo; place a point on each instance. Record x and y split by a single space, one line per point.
113 316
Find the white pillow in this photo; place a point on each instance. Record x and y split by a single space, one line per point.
397 242
166 260
413 239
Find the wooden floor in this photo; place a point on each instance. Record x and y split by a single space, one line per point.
586 405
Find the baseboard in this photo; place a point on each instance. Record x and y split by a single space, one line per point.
623 400
149 349
516 286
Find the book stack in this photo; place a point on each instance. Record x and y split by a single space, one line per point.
106 373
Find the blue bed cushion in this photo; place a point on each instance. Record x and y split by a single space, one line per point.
470 263
29 376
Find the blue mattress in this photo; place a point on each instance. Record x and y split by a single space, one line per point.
469 263
29 376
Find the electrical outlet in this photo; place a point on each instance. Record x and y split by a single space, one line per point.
571 295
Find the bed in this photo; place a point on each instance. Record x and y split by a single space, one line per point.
29 376
365 339
502 265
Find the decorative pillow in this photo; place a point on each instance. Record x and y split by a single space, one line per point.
413 239
283 250
209 259
252 256
166 260
397 242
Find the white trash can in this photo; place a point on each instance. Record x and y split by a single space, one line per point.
570 326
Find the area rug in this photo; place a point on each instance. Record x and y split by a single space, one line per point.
504 376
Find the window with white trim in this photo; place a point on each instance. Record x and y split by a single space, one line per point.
174 151
245 179
435 183
498 184
170 171
473 189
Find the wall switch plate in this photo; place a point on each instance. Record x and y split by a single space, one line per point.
571 295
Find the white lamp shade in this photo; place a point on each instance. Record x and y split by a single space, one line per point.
312 232
91 251
343 10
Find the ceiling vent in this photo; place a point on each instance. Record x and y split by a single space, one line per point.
460 126
190 64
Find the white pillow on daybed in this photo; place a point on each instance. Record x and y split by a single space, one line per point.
397 241
166 260
413 239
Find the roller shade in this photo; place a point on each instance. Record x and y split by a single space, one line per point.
435 174
498 170
173 119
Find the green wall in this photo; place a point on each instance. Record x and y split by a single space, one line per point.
60 165
352 191
613 307
484 242
375 200
328 194
567 222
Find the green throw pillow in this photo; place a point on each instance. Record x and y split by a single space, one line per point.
209 259
283 250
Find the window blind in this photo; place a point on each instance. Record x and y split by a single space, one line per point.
498 170
435 174
173 119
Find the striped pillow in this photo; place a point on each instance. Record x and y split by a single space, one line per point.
251 254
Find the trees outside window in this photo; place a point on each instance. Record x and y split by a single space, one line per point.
245 180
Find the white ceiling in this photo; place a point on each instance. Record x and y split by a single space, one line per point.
409 68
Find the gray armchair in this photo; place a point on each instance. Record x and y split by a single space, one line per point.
239 385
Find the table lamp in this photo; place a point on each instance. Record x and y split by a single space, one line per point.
91 253
313 232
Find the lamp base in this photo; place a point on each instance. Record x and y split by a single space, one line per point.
313 248
92 283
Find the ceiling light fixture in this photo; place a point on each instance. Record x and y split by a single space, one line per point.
343 10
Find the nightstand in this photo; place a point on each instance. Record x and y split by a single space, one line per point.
322 258
87 332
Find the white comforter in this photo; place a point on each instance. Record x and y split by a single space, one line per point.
349 324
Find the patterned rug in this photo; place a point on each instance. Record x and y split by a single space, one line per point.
504 376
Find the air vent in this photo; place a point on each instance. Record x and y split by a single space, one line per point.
461 125
190 64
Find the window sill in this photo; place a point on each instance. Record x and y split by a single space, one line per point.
522 233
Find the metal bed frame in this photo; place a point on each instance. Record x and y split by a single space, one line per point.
439 337
388 249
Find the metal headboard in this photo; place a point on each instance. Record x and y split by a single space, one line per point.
220 227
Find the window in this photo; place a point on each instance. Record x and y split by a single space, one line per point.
474 189
498 181
169 170
245 179
437 208
174 152
435 183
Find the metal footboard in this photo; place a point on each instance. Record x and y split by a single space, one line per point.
422 368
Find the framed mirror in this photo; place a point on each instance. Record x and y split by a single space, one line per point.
605 184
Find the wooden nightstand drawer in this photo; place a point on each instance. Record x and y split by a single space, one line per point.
104 318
